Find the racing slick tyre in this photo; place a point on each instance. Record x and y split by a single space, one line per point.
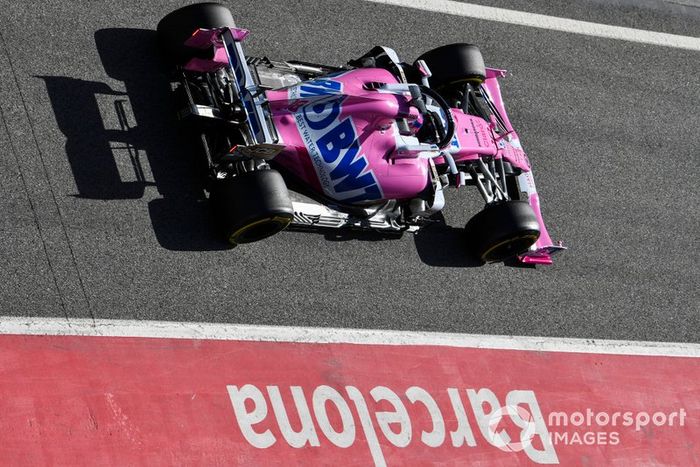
252 206
503 230
176 27
453 63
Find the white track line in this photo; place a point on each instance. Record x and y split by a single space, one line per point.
554 23
165 329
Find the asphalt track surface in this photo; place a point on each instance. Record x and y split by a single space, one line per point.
611 128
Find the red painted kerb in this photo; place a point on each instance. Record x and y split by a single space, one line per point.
68 400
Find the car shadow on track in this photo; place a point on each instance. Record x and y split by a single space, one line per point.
437 245
442 245
120 143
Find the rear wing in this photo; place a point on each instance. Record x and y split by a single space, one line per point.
228 52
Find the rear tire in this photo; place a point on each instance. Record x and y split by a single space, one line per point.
455 63
503 230
252 206
176 27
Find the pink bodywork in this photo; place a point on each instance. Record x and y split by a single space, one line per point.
372 114
400 176
399 173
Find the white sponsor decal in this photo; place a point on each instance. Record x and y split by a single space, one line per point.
251 407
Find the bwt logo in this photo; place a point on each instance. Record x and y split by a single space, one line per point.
386 419
332 143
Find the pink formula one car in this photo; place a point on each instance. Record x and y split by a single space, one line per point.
370 146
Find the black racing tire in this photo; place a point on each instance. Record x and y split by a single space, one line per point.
251 206
454 63
502 230
174 29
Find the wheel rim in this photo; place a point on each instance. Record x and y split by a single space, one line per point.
259 230
509 247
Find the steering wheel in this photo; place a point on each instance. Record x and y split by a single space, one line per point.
443 133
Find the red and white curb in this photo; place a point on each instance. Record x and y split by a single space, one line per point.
84 392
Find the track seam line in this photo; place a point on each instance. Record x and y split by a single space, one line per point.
48 181
34 214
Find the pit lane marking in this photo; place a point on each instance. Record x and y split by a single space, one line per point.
553 23
244 332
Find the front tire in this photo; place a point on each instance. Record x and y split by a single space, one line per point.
502 230
252 206
176 27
